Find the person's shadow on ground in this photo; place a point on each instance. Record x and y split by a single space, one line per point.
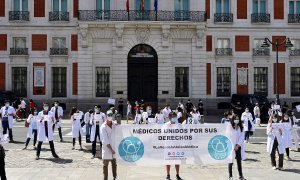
59 160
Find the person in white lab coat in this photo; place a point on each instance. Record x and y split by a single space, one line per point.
196 115
236 132
32 129
45 121
58 113
247 119
256 112
227 117
7 118
138 116
294 131
129 111
87 118
97 119
275 142
287 133
107 131
166 111
75 118
159 116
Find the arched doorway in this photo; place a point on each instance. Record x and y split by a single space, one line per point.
143 74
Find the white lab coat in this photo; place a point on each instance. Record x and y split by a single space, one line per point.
294 132
87 117
138 118
196 116
76 124
41 118
256 111
287 135
159 118
33 125
246 117
10 110
271 137
107 135
96 118
145 117
166 113
237 136
60 114
23 104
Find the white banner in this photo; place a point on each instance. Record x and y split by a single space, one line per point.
39 76
156 145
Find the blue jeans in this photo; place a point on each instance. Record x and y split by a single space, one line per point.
5 127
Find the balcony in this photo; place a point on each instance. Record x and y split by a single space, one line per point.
223 17
223 51
58 16
295 52
136 15
18 15
59 51
19 51
294 18
260 18
261 52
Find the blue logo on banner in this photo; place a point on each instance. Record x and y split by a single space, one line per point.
219 147
131 149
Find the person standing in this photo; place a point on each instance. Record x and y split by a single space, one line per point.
107 132
196 116
166 111
200 107
189 106
138 117
137 107
287 133
159 116
120 107
23 107
32 105
87 118
7 118
129 111
294 131
75 117
32 129
227 117
256 112
247 119
58 114
2 163
97 119
45 121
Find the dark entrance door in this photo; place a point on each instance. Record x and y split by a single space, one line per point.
143 74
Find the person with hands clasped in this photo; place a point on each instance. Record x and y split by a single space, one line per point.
75 118
247 119
32 128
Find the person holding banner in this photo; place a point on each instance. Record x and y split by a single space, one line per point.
166 111
45 121
287 133
196 116
107 132
159 116
75 118
248 124
237 134
174 120
275 141
7 118
32 128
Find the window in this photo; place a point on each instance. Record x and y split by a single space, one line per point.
60 5
261 81
102 5
20 5
223 43
59 82
181 81
222 6
102 82
257 43
59 42
19 81
295 81
223 81
296 44
294 7
19 42
138 5
182 5
258 50
260 6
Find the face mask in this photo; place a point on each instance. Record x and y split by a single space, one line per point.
194 109
149 111
236 121
274 120
7 105
247 111
174 119
97 110
142 111
286 119
55 105
109 119
46 108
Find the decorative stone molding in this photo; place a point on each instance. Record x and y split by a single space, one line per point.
200 35
182 33
119 34
165 35
142 34
83 30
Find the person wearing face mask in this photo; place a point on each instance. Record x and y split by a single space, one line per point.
236 131
75 118
45 121
138 117
180 115
97 119
200 107
196 116
32 129
144 116
166 111
129 111
275 142
87 118
294 130
256 112
287 134
7 117
247 119
189 106
227 117
159 116
58 114
107 131
137 107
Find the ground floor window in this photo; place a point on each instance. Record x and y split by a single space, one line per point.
102 82
59 82
19 81
181 81
223 81
295 81
261 81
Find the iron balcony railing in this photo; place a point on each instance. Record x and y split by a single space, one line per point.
18 15
223 17
294 18
223 51
295 52
58 51
137 15
58 16
260 18
261 52
18 51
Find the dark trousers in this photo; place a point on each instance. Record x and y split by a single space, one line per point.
273 156
121 111
88 133
97 134
2 169
5 127
287 150
105 168
39 147
79 139
59 132
247 135
238 157
34 132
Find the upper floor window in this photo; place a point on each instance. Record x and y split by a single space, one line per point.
260 6
294 7
182 5
296 44
258 50
102 5
59 42
295 81
222 6
19 42
60 5
20 5
142 5
223 43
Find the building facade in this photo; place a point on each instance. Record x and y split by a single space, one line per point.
84 52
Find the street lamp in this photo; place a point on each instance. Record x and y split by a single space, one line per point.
287 43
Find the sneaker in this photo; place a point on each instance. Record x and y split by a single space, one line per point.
61 140
24 148
281 169
230 178
81 148
242 178
37 158
168 177
73 148
55 156
288 158
34 147
115 178
93 157
274 168
178 177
